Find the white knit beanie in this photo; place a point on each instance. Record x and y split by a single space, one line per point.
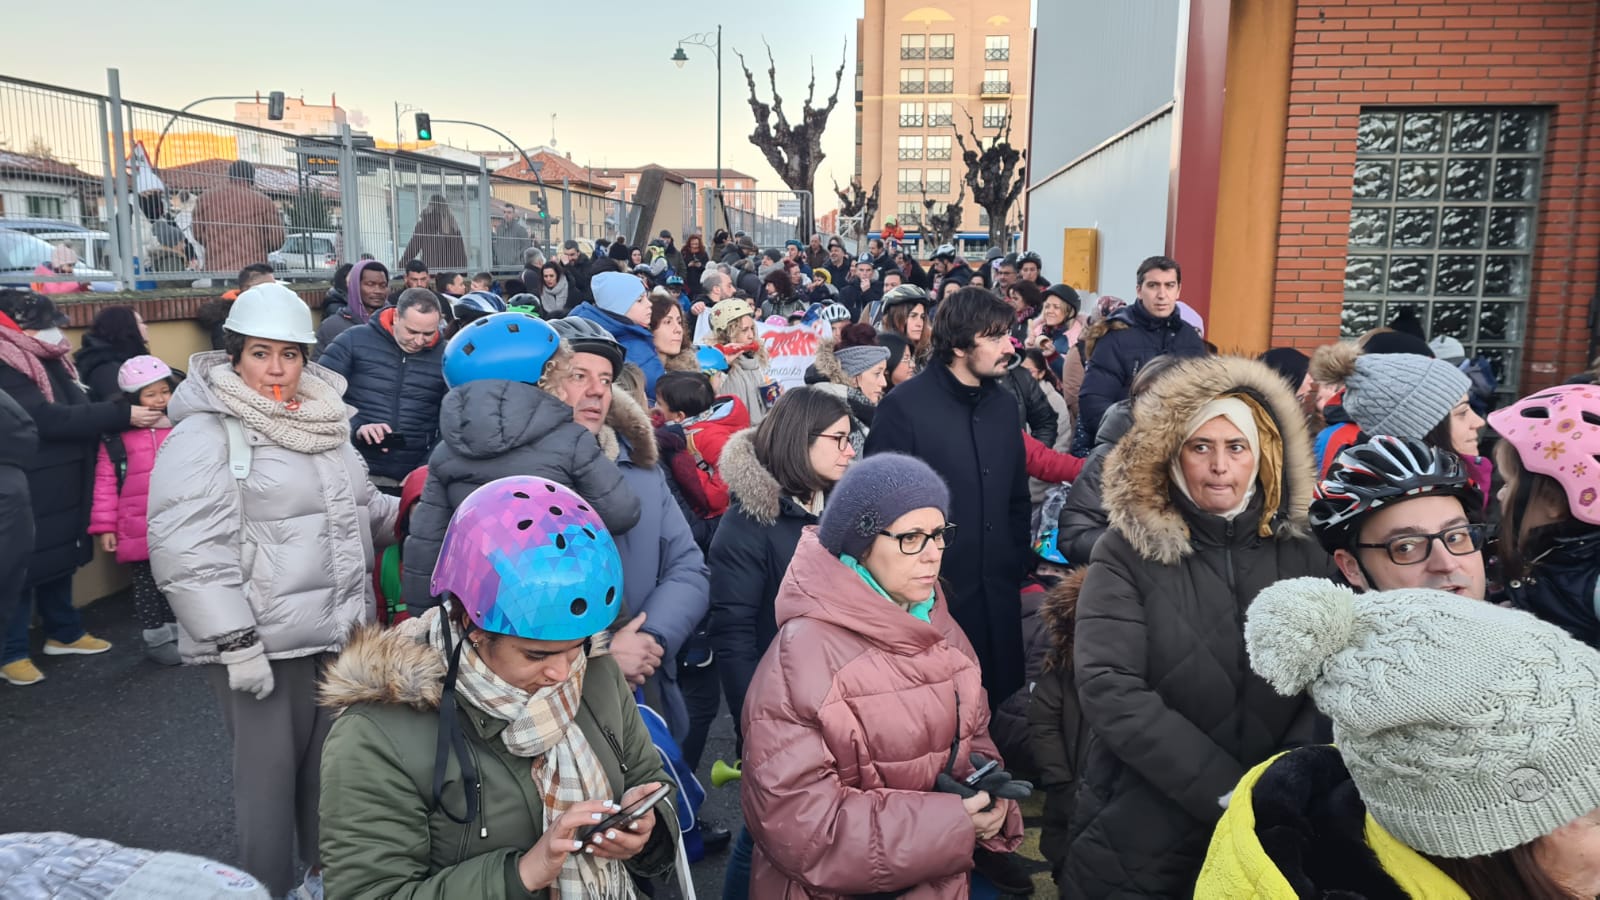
1468 728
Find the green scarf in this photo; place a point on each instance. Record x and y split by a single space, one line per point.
919 610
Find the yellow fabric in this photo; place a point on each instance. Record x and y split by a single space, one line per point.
1237 868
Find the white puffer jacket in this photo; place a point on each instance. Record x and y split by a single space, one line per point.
287 551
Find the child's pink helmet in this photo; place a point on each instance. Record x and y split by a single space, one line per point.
529 558
1556 432
140 372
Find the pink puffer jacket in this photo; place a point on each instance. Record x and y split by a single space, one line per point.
124 513
848 721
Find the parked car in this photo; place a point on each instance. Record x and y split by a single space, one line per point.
22 253
307 251
92 246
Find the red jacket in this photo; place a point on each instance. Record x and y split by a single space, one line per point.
1047 464
848 721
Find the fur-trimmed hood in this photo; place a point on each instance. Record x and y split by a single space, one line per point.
1059 615
628 421
748 481
827 363
1140 499
384 666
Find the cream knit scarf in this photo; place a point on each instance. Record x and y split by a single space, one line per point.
321 423
542 727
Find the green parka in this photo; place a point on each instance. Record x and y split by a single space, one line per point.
379 835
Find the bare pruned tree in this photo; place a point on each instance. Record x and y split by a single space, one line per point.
995 173
793 149
854 200
941 227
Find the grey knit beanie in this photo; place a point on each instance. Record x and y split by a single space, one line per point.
858 359
1402 394
1468 728
872 494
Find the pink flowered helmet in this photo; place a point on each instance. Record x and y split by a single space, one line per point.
140 372
529 558
1556 432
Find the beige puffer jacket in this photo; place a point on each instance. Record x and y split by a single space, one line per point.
287 551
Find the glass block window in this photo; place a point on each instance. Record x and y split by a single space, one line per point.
1442 222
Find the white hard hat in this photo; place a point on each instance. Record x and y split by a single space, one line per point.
273 312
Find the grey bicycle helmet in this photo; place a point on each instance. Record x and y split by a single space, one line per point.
945 251
585 336
905 293
1378 471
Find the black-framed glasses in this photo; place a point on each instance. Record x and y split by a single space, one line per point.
843 440
1414 549
914 542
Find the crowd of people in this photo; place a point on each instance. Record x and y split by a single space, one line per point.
472 565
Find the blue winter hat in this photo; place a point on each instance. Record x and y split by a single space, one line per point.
616 292
872 494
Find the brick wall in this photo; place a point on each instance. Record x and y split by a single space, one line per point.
1354 53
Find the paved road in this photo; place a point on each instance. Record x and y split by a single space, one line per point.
116 747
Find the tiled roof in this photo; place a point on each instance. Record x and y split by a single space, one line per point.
555 169
27 165
275 180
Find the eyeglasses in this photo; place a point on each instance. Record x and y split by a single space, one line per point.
1414 549
843 440
914 542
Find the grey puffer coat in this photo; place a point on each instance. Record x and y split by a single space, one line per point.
749 380
1174 712
492 429
287 551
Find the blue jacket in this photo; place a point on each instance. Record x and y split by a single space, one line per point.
638 345
389 386
663 571
1135 337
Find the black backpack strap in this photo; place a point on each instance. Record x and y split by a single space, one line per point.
118 452
453 740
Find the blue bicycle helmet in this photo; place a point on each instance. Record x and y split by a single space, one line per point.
509 346
710 359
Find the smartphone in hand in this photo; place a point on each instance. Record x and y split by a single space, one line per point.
630 813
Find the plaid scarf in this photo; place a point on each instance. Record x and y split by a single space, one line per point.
541 727
27 354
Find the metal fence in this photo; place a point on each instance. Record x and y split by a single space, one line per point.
769 217
144 195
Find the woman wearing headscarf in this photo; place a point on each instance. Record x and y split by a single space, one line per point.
868 712
261 530
1207 496
478 745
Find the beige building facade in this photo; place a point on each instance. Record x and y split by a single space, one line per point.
921 69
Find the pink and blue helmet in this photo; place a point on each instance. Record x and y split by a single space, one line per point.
529 558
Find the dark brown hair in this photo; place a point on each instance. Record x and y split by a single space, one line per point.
1497 876
660 308
1528 486
783 439
233 343
894 320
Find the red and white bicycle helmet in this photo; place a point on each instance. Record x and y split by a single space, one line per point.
140 372
1556 432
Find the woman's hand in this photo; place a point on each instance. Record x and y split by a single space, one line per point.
626 842
108 542
541 865
143 416
985 824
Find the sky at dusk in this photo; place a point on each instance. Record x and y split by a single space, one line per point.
602 68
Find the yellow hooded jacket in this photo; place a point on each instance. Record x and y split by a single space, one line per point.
1238 867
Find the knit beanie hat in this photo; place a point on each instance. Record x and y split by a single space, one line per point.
858 349
616 292
1402 394
1468 728
872 494
1288 362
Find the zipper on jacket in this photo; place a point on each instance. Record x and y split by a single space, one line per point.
483 817
616 746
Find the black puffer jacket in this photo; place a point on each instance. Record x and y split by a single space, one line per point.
98 361
493 429
1083 518
61 471
390 386
1056 732
19 440
1033 407
1133 337
749 555
1175 714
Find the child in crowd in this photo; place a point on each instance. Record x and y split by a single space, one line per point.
694 424
1549 456
502 417
121 495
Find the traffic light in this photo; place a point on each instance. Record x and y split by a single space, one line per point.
424 127
274 106
544 213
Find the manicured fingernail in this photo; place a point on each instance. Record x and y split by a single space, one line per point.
612 835
576 846
588 849
611 805
599 839
597 817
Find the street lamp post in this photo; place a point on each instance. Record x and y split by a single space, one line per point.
706 40
274 104
398 109
535 168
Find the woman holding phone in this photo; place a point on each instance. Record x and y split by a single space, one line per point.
478 746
